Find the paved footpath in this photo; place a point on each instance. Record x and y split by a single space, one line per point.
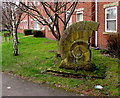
14 86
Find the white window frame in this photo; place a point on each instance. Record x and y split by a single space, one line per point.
70 21
38 3
79 12
50 21
43 26
25 24
110 19
38 25
55 28
34 2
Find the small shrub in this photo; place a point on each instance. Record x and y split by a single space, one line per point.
104 51
38 33
114 44
27 31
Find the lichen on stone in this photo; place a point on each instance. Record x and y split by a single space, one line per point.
74 45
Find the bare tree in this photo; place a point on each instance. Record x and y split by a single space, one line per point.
51 15
7 17
11 17
7 20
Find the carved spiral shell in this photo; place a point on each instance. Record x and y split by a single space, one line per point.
74 43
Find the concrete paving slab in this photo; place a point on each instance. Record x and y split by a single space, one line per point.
14 86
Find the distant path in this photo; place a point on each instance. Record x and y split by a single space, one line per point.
14 86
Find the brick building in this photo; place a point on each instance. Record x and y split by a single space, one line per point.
106 13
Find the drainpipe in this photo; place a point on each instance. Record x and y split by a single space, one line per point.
28 21
96 20
28 17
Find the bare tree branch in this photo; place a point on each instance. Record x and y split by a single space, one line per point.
52 11
47 11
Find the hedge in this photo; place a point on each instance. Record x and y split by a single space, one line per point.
27 31
38 33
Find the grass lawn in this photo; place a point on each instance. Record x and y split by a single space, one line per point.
35 56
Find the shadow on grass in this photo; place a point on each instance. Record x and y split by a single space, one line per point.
99 73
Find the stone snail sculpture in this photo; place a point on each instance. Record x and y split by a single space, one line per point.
74 46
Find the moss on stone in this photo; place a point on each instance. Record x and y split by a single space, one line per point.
74 45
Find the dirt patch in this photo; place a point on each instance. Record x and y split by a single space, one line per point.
52 51
47 42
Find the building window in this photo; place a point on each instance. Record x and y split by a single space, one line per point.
70 21
79 16
25 24
43 26
36 25
111 19
50 22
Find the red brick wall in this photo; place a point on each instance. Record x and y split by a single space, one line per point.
20 30
119 17
89 14
102 38
87 11
23 23
101 19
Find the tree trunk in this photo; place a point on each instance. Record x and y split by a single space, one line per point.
16 35
58 52
15 44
